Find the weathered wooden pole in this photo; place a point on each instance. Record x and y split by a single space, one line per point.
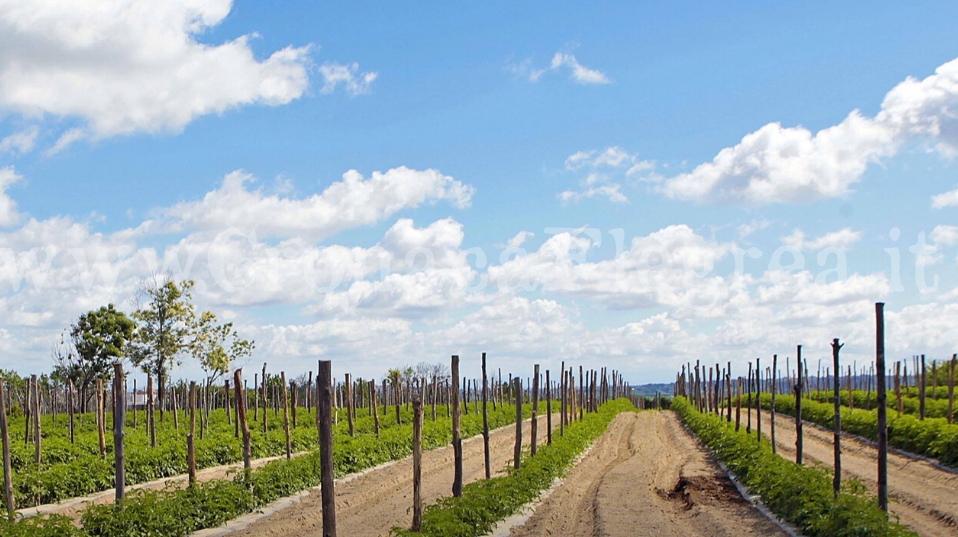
882 407
485 419
758 397
774 390
548 409
921 389
150 410
349 404
837 482
372 389
5 441
738 406
36 418
456 433
951 388
327 471
799 443
241 416
119 420
294 390
265 400
563 405
535 409
101 417
416 464
728 391
70 410
748 426
517 452
284 400
191 437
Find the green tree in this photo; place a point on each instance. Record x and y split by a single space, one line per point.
97 339
165 316
216 346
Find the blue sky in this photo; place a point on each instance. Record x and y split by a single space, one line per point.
118 131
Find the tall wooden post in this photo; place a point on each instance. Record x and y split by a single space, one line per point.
372 390
748 425
119 420
241 416
517 452
799 442
5 441
738 406
535 408
70 410
837 482
456 433
564 408
548 409
485 418
758 396
265 401
191 438
327 471
349 404
882 407
36 418
416 464
284 400
728 391
951 388
774 390
921 390
101 417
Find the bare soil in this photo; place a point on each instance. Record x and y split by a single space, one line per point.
647 476
374 503
923 496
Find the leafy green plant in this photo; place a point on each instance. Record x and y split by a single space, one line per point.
488 501
801 495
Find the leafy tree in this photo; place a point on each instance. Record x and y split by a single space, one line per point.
97 339
216 346
165 321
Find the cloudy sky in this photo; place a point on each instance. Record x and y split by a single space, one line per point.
631 184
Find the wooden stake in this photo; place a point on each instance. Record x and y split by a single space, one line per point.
548 409
774 390
416 464
70 410
563 389
36 419
101 417
799 445
349 404
456 433
119 420
951 388
535 408
882 407
5 441
191 438
517 452
265 402
485 419
837 482
326 447
921 390
284 400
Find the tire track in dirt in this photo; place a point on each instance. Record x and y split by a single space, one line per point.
647 476
373 503
921 495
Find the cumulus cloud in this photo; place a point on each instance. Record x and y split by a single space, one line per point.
354 201
347 76
20 142
777 164
947 199
842 239
8 207
561 61
134 65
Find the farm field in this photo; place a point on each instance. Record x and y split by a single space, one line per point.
922 495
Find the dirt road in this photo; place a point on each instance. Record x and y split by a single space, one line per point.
923 496
646 476
375 502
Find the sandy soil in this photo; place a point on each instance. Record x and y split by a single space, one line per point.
647 476
922 496
74 508
375 502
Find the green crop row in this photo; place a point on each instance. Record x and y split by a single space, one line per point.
934 408
931 437
801 495
488 501
72 470
181 512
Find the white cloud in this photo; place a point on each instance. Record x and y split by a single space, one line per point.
613 157
610 191
519 239
947 199
134 65
8 207
746 230
842 239
561 60
354 201
944 235
348 76
20 142
792 165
